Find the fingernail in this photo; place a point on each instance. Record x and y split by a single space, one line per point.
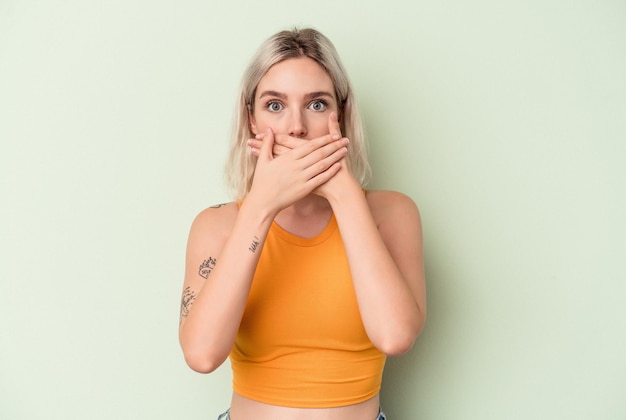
345 141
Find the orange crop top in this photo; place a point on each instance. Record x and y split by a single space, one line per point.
301 342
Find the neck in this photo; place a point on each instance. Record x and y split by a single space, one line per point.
305 218
310 206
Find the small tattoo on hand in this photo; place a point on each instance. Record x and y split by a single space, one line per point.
206 267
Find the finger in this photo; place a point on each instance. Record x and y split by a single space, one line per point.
288 141
333 126
255 150
255 143
325 169
255 147
315 147
265 152
279 150
324 157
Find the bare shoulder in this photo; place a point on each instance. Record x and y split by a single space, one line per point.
215 222
218 213
399 223
391 207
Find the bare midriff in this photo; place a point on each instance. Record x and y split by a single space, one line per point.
243 408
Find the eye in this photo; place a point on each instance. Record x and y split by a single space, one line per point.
274 106
318 105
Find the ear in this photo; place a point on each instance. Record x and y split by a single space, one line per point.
252 122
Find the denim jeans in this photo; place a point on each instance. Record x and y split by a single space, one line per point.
226 416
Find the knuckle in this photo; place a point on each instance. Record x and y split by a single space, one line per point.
320 154
321 166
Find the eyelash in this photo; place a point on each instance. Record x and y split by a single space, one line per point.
272 102
320 101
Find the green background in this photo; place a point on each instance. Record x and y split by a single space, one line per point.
504 121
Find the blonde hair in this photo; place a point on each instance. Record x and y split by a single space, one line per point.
282 46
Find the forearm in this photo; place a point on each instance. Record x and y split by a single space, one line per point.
208 331
389 309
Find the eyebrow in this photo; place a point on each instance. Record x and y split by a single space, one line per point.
308 96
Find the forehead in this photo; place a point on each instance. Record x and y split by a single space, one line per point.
296 76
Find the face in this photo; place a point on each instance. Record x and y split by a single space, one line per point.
295 97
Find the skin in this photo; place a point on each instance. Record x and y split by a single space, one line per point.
301 178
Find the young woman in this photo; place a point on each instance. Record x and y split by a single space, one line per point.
307 281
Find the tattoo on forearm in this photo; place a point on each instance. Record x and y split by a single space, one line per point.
217 206
186 301
254 245
206 267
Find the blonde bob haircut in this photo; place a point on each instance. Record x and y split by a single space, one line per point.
282 46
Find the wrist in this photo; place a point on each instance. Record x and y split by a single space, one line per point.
350 189
255 209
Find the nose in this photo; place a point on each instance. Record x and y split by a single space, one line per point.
298 125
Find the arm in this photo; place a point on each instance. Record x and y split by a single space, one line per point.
225 243
383 240
212 307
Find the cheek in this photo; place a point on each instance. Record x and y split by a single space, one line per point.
279 123
317 124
